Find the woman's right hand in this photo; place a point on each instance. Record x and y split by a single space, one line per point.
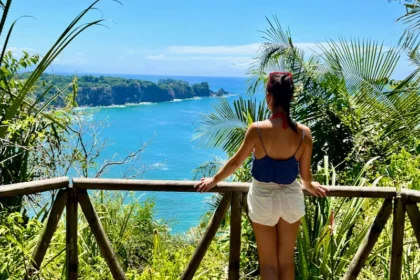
317 189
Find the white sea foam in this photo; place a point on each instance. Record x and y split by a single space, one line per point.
140 104
184 99
159 165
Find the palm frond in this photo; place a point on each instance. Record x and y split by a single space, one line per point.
70 33
208 168
227 126
410 39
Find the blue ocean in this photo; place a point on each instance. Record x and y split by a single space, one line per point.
171 153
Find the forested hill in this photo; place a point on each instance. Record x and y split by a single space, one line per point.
106 91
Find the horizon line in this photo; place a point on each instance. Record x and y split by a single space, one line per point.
115 74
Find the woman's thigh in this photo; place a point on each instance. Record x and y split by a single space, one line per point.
286 240
266 244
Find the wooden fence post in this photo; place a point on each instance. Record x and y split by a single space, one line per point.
49 229
414 216
71 235
208 236
100 235
369 241
235 236
397 239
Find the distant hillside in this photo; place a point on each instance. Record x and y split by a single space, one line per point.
106 91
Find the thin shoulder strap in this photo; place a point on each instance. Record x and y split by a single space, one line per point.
301 140
259 134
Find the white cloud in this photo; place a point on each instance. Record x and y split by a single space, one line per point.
156 57
250 49
238 62
202 57
76 59
238 56
311 47
17 52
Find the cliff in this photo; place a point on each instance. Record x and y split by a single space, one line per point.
106 91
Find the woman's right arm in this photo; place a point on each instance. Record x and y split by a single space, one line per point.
305 167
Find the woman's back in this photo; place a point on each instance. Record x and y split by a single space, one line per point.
276 158
279 141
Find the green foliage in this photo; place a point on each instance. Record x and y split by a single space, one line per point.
346 97
106 91
403 171
30 134
17 238
410 38
227 126
143 246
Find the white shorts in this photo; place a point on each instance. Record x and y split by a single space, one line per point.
268 202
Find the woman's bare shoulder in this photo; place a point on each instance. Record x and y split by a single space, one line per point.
305 129
261 124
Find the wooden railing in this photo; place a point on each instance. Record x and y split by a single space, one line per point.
72 193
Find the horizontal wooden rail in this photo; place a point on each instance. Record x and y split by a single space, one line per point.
410 195
152 185
33 187
224 187
404 201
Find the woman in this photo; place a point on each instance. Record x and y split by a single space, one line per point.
281 148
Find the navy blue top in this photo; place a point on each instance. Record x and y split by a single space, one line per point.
279 171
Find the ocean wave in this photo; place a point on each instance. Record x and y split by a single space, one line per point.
140 104
113 106
99 107
83 108
226 96
232 94
184 99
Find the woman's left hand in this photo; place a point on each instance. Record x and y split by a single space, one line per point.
205 184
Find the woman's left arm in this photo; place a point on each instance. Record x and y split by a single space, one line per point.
234 163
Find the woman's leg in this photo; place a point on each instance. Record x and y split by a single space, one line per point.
286 237
267 251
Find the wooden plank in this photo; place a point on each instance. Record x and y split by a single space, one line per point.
235 236
223 187
414 216
49 229
71 235
100 235
245 203
33 187
410 195
152 185
369 241
397 239
208 236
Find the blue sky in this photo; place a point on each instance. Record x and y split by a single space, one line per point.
185 37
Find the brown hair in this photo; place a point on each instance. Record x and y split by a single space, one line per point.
280 85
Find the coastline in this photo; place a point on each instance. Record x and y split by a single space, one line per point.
153 103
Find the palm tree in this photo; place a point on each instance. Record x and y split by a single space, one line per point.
346 99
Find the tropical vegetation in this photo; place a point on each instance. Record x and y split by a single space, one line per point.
365 127
106 91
